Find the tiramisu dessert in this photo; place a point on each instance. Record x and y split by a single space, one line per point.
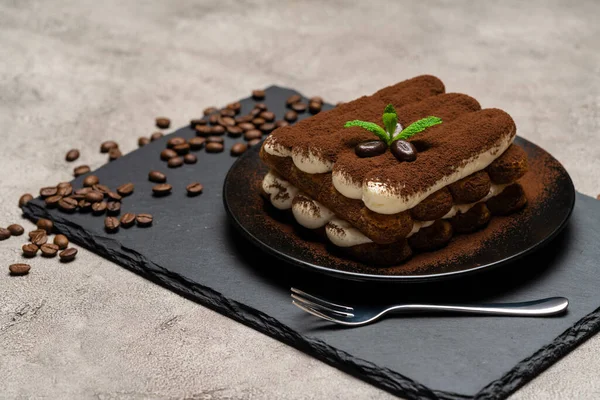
397 172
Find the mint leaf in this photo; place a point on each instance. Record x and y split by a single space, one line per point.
371 127
390 109
390 120
416 127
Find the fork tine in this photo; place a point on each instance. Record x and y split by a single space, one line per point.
314 312
320 301
320 307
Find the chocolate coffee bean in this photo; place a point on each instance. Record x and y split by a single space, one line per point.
125 189
210 110
29 250
167 154
142 141
214 147
68 254
39 238
156 136
45 224
19 269
281 123
181 149
238 149
234 131
82 169
198 121
176 141
403 150
64 189
253 142
15 229
52 201
162 189
113 207
196 143
90 181
157 176
105 147
127 220
113 154
163 123
94 196
253 134
194 188
314 108
267 128
111 224
49 250
217 130
291 116
175 162
48 191
298 107
293 99
4 233
143 219
68 204
114 196
72 155
267 116
370 149
99 208
190 159
246 126
202 130
215 139
99 188
61 241
258 94
24 199
261 106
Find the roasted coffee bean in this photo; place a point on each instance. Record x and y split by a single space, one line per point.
68 254
258 94
261 106
100 188
90 181
237 106
105 147
214 147
24 199
314 108
113 154
190 159
125 189
215 139
30 250
298 107
217 130
203 130
213 119
253 142
86 190
48 191
34 232
403 150
281 123
162 189
175 142
316 99
49 250
45 224
243 118
167 154
68 204
111 224
267 116
114 196
226 112
77 196
163 123
253 134
371 148
82 169
61 241
238 149
99 208
290 116
194 188
113 207
226 121
198 121
293 99
258 121
94 196
15 229
127 220
143 219
157 176
234 131
175 162
4 233
72 155
142 141
210 110
267 128
84 205
254 113
64 189
246 126
39 238
52 201
196 143
19 269
156 136
181 149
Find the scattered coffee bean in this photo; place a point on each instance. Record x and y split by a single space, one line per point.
156 136
235 131
254 113
291 116
114 196
68 254
24 199
226 112
162 189
64 189
403 150
213 119
258 121
15 229
214 147
86 190
84 205
258 94
217 130
176 141
196 143
316 99
127 220
243 119
210 110
82 169
253 134
39 238
157 176
267 128
45 224
113 154
371 148
19 269
181 149
94 196
237 106
226 121
163 123
142 141
167 154
113 207
238 149
61 241
49 250
203 130
29 250
175 162
48 191
125 189
198 121
247 126
215 139
72 155
253 142
68 204
105 147
194 188
4 233
90 181
35 232
111 224
143 219
293 99
314 108
281 123
261 106
99 208
190 159
267 116
52 201
298 107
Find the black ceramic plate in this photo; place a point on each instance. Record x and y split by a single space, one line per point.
549 189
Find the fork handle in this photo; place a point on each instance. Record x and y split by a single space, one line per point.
536 308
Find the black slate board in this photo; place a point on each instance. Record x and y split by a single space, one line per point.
193 250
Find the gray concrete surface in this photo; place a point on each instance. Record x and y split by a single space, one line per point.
76 72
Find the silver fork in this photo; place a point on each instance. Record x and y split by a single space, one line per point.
362 315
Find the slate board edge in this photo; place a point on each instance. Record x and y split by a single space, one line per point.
383 378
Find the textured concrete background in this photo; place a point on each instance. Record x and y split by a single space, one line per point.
74 73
